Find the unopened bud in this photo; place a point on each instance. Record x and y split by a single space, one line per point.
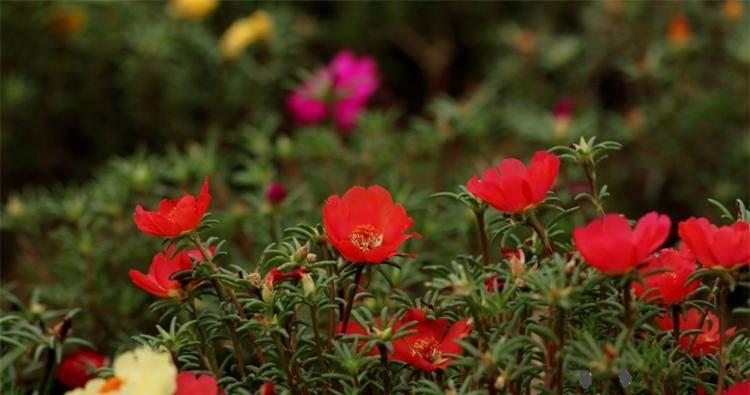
311 258
570 266
62 330
254 279
386 334
308 284
267 292
518 263
500 382
300 255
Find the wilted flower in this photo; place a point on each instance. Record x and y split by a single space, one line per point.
669 286
365 225
192 9
494 281
244 32
138 372
75 369
189 383
512 187
706 342
717 247
276 193
276 275
610 245
340 90
679 31
159 280
174 217
426 348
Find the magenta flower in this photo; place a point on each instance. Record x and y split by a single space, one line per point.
340 91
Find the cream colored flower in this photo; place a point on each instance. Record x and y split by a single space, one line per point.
244 32
192 9
138 372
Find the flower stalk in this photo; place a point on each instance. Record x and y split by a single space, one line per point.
350 298
483 241
535 224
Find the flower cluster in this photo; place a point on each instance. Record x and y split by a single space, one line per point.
364 232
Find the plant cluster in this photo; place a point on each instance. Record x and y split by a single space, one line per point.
316 256
326 309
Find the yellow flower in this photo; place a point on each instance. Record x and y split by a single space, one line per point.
244 32
138 372
192 9
733 9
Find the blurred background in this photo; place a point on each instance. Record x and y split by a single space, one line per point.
110 104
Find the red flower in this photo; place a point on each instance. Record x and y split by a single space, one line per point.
513 188
268 389
671 286
492 281
174 216
610 245
706 342
189 383
275 275
75 369
433 339
365 225
276 193
159 280
741 388
726 247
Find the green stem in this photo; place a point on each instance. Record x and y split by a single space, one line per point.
204 348
721 301
49 371
676 324
208 257
384 363
591 177
560 333
316 333
533 221
351 297
628 319
483 242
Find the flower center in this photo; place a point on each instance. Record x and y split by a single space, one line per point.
428 349
112 384
366 237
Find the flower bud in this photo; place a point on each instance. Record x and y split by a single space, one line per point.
308 284
267 292
300 255
500 382
254 279
276 193
311 258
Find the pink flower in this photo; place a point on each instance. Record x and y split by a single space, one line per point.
340 90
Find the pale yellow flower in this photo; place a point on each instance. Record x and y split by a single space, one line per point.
244 32
192 9
138 372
